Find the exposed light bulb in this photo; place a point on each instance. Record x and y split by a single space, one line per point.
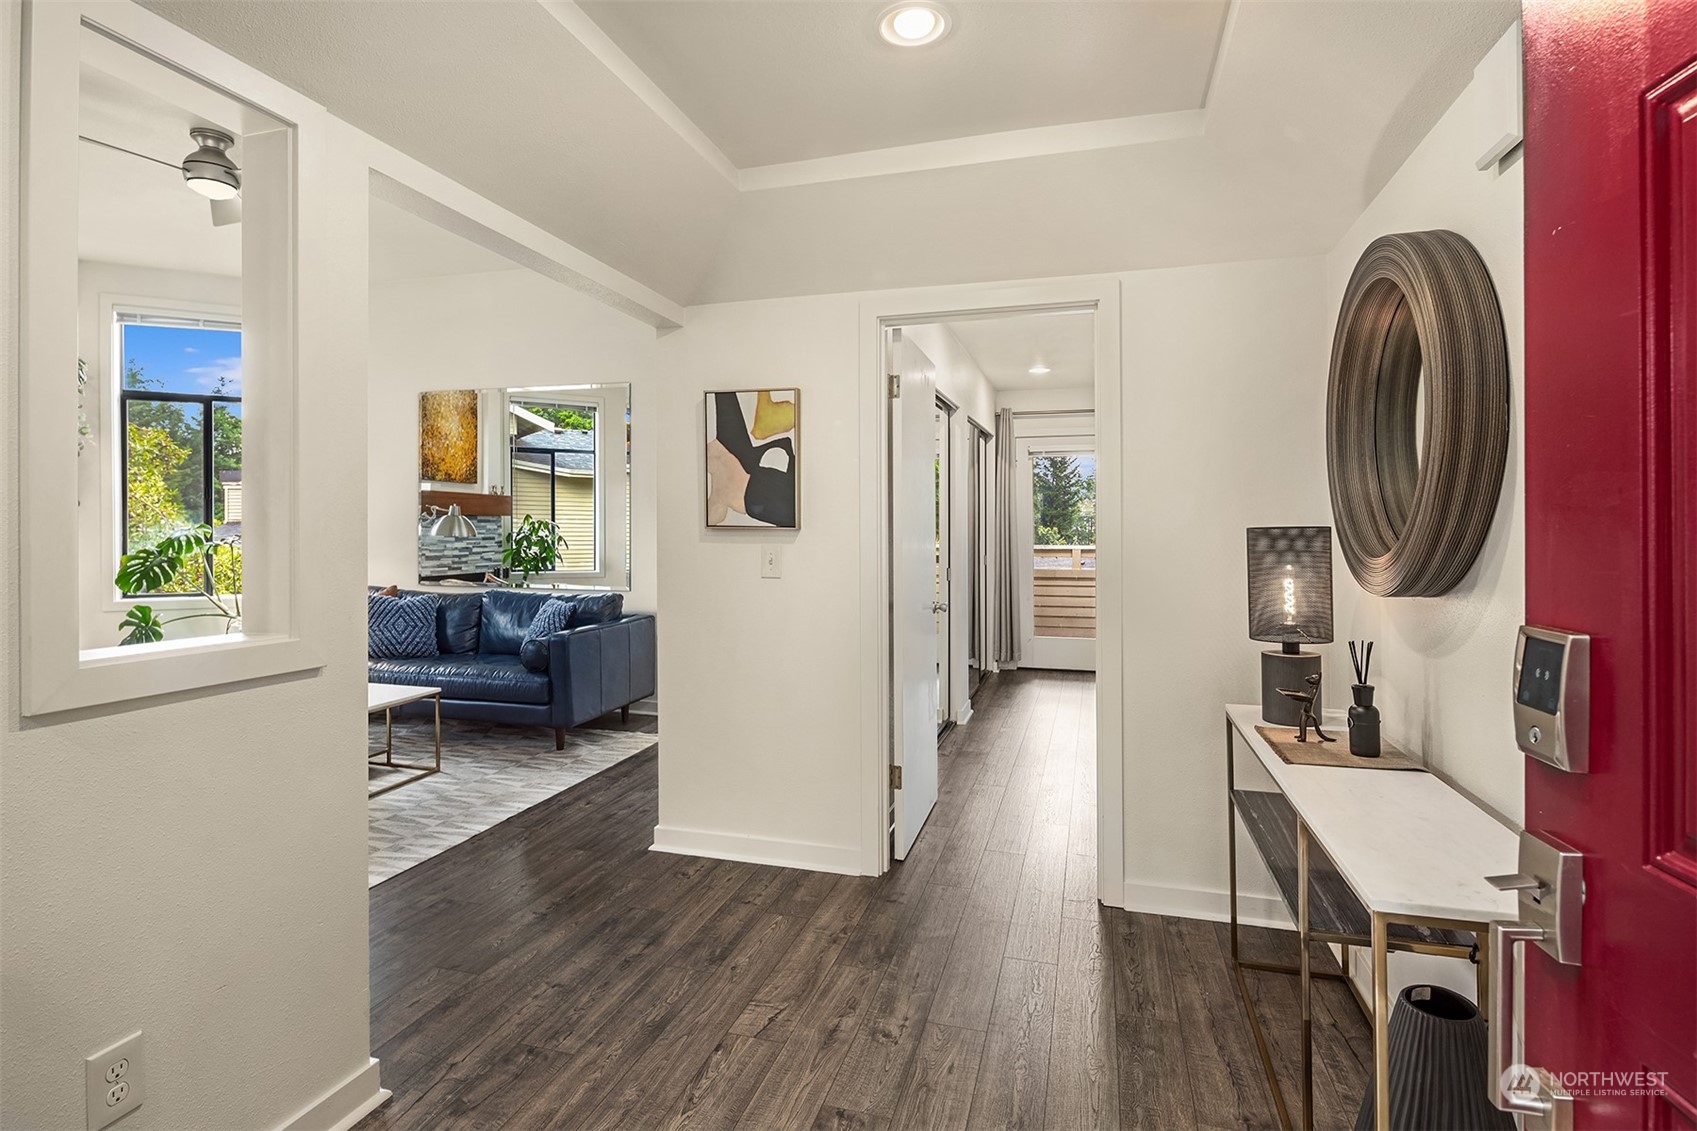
1290 596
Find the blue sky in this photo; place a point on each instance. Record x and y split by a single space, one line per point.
186 360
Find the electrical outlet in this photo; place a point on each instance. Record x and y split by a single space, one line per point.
114 1082
771 562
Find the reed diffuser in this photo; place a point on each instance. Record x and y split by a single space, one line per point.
1363 716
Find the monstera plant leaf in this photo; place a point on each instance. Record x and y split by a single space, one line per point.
144 626
152 567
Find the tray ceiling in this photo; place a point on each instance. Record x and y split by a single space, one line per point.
772 83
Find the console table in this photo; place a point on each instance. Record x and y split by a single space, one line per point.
1382 859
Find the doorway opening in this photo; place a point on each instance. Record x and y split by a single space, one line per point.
942 529
992 503
1055 481
981 462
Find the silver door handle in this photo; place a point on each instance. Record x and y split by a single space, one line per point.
1520 881
1531 1092
939 607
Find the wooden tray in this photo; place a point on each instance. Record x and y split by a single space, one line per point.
1317 753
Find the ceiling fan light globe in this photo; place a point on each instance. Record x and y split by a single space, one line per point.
209 170
214 184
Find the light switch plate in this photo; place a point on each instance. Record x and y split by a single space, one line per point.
771 562
116 1082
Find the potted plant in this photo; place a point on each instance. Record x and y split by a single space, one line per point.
193 559
533 546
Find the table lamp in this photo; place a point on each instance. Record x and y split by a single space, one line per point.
1290 604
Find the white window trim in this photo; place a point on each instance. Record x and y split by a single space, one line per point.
57 674
610 485
109 445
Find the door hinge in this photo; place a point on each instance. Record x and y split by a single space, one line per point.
895 386
895 777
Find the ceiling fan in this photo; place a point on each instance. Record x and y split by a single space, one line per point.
208 171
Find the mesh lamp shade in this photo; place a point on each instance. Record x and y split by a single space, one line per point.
1290 604
1290 585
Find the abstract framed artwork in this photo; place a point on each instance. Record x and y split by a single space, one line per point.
754 459
447 436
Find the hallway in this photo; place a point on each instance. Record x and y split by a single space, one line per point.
553 972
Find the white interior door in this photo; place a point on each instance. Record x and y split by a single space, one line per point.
943 568
913 588
1057 586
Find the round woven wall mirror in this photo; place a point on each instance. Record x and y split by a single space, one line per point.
1417 414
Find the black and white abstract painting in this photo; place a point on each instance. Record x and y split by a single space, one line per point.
753 448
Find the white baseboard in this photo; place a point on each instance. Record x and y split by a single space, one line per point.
344 1105
965 714
1201 903
843 860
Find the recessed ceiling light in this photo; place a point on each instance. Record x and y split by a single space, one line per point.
1038 371
913 25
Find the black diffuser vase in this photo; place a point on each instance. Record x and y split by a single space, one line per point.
1363 723
1438 1049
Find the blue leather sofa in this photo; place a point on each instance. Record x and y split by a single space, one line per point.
592 669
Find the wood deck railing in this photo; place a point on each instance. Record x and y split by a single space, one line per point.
1063 590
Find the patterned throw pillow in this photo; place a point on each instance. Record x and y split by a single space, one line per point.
554 615
400 628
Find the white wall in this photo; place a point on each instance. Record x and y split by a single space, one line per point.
963 384
194 866
1081 398
1224 407
762 683
497 329
1441 665
96 560
762 712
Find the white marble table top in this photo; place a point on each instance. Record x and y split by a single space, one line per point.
1406 842
381 696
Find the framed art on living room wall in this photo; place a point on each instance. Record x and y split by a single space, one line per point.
447 436
753 459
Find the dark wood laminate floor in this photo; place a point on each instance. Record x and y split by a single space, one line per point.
553 972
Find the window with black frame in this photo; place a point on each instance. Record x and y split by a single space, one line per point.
180 407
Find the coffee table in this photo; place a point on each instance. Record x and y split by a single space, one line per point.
386 697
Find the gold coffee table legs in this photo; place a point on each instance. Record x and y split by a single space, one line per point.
387 754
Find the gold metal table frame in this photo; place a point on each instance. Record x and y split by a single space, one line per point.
388 752
1379 943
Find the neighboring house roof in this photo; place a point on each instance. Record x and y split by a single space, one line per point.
575 452
234 476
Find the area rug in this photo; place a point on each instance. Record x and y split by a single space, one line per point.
489 773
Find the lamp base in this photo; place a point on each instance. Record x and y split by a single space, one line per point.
1286 669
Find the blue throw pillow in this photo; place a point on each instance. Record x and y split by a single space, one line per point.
400 628
602 608
554 616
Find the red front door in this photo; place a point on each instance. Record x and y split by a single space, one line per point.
1611 534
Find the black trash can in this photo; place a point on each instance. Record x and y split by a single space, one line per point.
1438 1066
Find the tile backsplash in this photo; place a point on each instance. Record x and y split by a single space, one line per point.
446 557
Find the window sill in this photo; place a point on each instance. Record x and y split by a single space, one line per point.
121 673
